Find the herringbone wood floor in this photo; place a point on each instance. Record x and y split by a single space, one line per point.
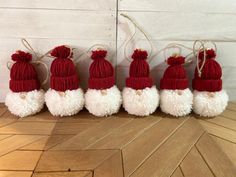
121 145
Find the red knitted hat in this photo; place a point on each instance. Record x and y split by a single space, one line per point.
210 77
101 71
63 72
139 71
175 75
23 74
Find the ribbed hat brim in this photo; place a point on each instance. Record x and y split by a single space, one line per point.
207 85
24 85
64 83
101 83
173 84
139 82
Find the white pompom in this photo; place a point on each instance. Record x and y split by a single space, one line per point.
103 102
176 102
66 103
24 104
209 104
140 102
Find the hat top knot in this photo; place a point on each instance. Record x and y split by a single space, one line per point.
61 52
98 54
175 60
210 54
21 56
139 54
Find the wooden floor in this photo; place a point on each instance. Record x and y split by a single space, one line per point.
121 145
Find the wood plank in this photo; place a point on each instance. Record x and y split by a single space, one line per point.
215 158
125 134
229 114
229 148
15 174
227 123
85 138
3 109
72 160
184 6
2 137
60 4
231 106
42 116
70 128
9 115
64 174
20 160
166 159
143 146
177 173
39 128
88 24
219 131
194 165
4 122
46 116
15 142
112 167
46 142
82 117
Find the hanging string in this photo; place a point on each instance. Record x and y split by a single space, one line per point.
47 72
9 65
169 47
132 36
175 46
180 46
198 50
99 47
27 45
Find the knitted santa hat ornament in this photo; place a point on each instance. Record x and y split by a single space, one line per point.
25 96
140 96
102 98
208 98
64 98
175 96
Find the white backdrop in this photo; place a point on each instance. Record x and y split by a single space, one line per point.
82 23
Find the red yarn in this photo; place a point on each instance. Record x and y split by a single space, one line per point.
139 67
23 74
176 60
21 56
210 79
63 72
139 71
139 54
101 71
98 54
62 67
210 54
175 75
61 52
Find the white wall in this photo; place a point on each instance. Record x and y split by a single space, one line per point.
82 23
